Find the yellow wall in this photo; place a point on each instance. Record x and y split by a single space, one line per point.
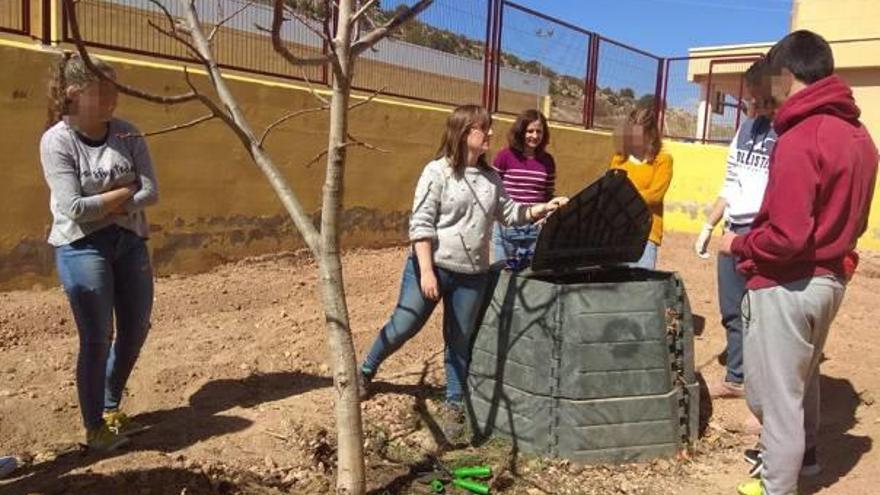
837 19
698 173
215 205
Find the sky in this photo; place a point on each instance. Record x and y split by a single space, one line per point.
670 27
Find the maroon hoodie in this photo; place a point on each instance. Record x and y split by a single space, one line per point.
819 193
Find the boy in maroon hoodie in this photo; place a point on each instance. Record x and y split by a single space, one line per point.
815 207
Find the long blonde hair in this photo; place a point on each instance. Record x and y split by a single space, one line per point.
458 125
70 71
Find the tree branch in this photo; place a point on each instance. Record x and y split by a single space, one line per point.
236 121
317 158
73 22
192 123
384 30
368 99
353 141
363 10
278 43
305 22
226 19
176 37
287 117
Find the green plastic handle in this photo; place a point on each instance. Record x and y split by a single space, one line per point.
437 486
472 472
471 486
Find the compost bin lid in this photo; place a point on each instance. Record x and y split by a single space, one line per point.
606 223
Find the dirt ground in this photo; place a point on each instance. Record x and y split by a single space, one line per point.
234 381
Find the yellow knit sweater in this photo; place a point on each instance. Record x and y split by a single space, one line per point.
652 180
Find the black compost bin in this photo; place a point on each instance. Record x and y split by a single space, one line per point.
583 357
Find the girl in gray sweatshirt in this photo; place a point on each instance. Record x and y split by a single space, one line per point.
457 200
100 181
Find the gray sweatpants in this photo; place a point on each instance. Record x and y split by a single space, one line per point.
785 330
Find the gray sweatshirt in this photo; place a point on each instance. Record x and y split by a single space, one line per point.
77 173
457 214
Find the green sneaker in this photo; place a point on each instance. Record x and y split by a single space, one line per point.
120 424
751 487
104 440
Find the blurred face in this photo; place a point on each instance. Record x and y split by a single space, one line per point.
478 139
760 102
534 135
781 86
94 102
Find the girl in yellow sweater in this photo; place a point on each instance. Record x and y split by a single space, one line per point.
639 152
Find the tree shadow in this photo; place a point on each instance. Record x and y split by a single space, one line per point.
158 481
839 450
178 428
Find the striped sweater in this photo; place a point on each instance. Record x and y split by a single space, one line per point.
527 180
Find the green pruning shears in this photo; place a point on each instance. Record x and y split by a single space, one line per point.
460 477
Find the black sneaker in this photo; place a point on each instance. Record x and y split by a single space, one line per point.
453 423
809 467
752 456
364 383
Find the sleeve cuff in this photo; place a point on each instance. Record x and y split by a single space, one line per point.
421 235
738 246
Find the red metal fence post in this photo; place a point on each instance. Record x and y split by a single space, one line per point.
488 55
658 102
26 17
496 81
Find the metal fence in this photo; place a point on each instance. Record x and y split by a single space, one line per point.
703 97
500 53
625 78
551 58
241 43
15 16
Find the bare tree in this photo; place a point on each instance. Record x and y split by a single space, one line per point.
341 23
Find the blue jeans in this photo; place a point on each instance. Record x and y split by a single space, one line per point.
515 245
108 271
648 260
731 290
462 295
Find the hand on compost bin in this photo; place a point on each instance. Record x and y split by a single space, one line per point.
540 211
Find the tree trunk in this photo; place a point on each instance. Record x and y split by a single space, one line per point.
350 478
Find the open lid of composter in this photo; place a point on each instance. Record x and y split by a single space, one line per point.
607 223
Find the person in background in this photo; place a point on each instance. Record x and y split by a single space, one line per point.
639 152
816 206
100 180
457 199
748 165
528 173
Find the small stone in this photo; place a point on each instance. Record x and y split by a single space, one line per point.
32 395
867 398
270 463
325 370
243 366
287 354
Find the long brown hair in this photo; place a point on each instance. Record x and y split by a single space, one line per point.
70 71
517 136
458 125
646 118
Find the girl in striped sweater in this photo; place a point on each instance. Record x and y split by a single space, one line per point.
529 175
